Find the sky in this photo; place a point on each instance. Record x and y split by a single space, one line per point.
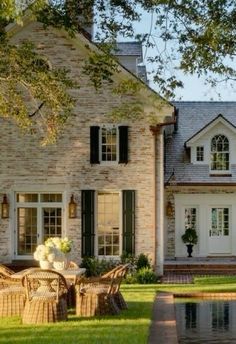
194 88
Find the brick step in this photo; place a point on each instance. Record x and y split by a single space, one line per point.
194 269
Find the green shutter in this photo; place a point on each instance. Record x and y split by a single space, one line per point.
87 217
129 221
94 145
123 144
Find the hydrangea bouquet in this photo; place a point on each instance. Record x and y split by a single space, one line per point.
53 250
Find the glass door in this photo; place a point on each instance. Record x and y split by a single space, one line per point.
39 216
219 231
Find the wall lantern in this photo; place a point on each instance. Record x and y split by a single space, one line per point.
5 207
169 209
72 208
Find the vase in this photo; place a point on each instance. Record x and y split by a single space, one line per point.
45 264
189 250
61 265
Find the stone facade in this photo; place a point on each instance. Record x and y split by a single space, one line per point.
65 167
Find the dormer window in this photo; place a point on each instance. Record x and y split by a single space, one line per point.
200 153
219 153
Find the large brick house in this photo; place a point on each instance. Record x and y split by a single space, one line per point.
200 179
113 170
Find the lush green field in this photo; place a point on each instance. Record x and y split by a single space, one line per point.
130 327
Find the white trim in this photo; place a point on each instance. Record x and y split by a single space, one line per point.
203 202
209 127
39 205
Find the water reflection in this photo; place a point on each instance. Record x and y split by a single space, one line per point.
206 321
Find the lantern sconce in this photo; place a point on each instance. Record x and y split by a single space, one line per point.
169 209
72 208
5 207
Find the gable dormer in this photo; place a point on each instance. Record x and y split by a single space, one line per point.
214 145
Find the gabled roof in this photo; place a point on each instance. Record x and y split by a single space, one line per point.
193 117
84 43
218 119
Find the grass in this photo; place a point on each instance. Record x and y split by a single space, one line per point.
130 327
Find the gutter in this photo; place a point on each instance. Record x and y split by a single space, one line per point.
158 209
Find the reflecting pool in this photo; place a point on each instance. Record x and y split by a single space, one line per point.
206 321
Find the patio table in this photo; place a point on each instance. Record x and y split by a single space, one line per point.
70 274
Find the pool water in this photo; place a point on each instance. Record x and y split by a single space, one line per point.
206 321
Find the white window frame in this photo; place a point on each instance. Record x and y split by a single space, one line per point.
120 225
210 156
39 205
106 162
203 154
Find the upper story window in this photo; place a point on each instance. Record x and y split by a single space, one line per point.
200 153
219 153
108 143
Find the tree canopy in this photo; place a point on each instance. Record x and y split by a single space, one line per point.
194 36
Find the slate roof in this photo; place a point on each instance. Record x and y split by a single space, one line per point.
192 117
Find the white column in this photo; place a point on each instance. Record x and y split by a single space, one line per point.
160 202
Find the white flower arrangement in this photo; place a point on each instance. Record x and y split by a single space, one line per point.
54 249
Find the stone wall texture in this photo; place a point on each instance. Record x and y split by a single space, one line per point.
65 166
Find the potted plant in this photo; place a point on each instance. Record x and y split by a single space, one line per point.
190 238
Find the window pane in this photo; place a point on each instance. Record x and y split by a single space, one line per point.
190 218
219 222
51 222
26 197
26 230
51 197
220 153
109 143
108 223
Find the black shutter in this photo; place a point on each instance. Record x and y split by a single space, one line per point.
94 145
87 217
129 221
123 145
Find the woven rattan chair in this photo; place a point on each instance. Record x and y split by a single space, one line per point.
119 275
12 294
94 297
45 297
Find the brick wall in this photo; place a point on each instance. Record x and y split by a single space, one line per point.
65 166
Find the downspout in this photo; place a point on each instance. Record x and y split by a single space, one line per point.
158 189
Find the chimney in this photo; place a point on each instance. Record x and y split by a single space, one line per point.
81 14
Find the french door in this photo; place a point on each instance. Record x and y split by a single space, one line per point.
219 230
38 217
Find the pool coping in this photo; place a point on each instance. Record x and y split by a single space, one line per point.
163 327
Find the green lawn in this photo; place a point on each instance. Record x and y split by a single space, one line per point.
130 327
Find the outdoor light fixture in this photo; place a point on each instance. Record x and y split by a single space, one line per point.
169 209
5 207
72 208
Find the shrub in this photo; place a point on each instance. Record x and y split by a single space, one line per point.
142 261
146 276
97 267
130 278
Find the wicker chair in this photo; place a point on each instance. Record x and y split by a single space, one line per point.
45 297
12 294
94 297
119 274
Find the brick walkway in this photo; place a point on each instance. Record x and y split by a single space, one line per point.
177 279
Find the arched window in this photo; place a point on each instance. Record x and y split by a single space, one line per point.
220 153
